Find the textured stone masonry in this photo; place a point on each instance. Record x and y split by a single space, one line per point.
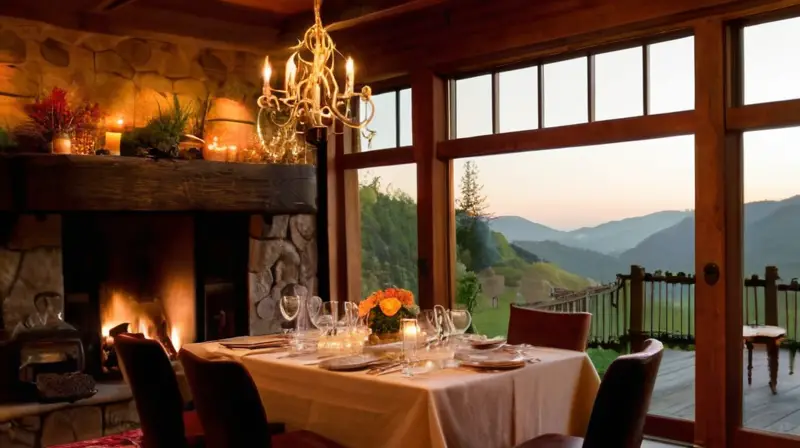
127 76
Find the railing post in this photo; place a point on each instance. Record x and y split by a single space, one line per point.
771 296
637 308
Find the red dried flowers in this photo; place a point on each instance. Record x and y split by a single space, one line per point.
53 116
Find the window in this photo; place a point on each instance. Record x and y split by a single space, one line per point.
619 84
771 64
388 205
391 122
566 93
772 253
652 79
518 99
670 73
473 113
588 215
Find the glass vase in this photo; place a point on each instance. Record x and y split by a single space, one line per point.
61 144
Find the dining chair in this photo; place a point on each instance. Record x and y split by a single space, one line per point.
620 407
568 331
231 410
152 380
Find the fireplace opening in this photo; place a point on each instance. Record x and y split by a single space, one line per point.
123 313
131 273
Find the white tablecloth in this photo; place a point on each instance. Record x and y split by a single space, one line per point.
446 408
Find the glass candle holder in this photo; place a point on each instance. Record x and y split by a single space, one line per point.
410 333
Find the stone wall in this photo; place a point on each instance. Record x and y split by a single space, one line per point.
35 425
127 76
283 256
30 262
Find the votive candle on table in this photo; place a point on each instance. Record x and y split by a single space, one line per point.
410 331
114 137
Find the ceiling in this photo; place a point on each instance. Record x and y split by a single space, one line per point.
255 24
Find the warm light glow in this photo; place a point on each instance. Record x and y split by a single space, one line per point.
175 337
350 76
119 308
120 122
291 73
267 75
312 96
221 152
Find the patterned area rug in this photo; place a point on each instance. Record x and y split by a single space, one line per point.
125 439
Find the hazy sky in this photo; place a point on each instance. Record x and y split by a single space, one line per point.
586 186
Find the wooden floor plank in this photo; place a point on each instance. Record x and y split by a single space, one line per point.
674 392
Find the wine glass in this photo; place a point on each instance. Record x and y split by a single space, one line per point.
290 306
444 322
429 324
325 319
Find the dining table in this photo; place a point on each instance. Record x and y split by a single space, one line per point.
450 407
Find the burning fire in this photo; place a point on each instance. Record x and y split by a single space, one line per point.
143 318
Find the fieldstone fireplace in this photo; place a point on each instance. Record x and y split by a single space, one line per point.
181 251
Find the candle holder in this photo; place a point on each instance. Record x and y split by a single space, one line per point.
410 332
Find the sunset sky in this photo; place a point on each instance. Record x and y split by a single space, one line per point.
586 186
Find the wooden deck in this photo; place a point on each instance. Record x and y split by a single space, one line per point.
674 392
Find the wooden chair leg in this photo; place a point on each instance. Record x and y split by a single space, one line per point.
792 353
773 354
749 362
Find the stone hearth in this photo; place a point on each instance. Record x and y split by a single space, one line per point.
34 425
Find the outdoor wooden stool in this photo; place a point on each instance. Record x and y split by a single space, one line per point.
770 336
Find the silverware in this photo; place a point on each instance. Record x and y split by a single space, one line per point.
382 368
394 369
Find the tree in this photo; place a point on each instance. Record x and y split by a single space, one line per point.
472 202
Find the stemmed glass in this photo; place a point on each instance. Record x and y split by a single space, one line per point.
429 324
301 310
460 320
327 317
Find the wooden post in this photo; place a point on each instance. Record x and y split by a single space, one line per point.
637 308
435 228
771 296
718 239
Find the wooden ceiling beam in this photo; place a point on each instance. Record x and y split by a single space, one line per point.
106 6
228 12
147 22
454 34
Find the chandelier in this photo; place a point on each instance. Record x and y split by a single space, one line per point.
311 97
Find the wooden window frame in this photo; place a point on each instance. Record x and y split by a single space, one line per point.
717 122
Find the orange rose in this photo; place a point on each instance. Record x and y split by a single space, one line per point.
406 297
365 306
390 306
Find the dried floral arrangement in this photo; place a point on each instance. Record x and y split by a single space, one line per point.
52 116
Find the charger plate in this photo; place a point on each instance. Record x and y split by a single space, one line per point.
349 363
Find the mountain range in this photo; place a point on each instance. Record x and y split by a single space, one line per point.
660 241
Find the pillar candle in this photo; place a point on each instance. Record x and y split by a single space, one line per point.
112 142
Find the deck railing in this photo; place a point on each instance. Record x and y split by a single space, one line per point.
661 305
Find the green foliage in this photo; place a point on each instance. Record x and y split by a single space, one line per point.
199 112
383 324
468 286
163 131
471 201
388 239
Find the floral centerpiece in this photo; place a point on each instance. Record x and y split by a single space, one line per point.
383 311
57 121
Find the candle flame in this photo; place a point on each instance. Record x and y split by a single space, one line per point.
349 67
120 121
291 72
267 70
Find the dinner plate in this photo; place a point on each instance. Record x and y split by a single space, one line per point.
492 360
253 345
348 363
486 344
494 365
